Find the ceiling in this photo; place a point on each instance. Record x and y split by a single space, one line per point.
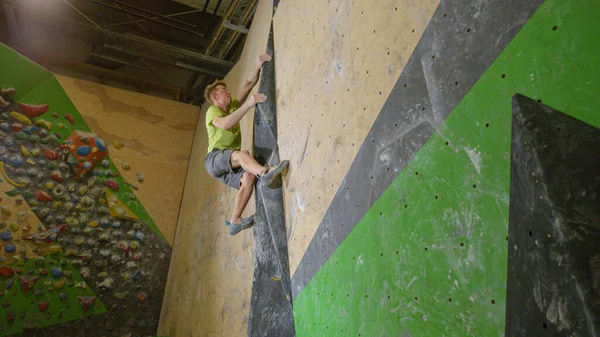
161 47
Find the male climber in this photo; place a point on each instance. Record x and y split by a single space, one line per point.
225 160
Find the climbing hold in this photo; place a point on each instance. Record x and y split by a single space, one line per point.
21 118
93 224
59 284
50 154
121 295
39 293
60 126
9 142
25 152
7 271
63 295
54 249
83 150
43 305
27 282
44 272
140 177
16 161
86 301
10 316
112 184
42 196
117 144
55 115
16 127
137 275
44 123
35 152
5 127
34 139
56 273
42 163
33 110
14 226
6 235
70 118
136 256
142 296
80 284
10 248
9 283
83 190
56 176
140 236
50 185
5 304
125 166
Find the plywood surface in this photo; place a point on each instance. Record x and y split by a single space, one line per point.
157 135
210 277
336 63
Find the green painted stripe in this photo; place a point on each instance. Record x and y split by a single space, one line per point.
20 73
430 257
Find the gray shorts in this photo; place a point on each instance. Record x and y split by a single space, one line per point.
218 165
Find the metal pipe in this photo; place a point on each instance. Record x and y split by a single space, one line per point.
115 7
206 2
114 59
230 42
81 13
181 51
217 7
152 13
219 30
177 64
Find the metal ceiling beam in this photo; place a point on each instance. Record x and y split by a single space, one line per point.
186 52
220 28
165 17
177 64
117 60
127 11
233 38
236 28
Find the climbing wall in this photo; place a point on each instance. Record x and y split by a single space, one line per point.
210 279
76 240
417 239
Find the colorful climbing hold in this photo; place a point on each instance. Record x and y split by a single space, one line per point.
27 282
142 296
83 150
33 110
7 271
54 249
44 123
16 127
125 166
43 305
50 154
86 301
70 118
6 236
21 118
63 295
112 184
43 196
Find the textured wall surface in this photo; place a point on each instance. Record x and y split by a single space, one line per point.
157 135
210 278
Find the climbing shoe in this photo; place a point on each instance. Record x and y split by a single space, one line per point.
245 223
272 173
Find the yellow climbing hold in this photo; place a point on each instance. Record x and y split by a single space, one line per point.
71 252
6 213
21 118
44 123
94 149
23 182
80 208
14 226
102 201
36 152
25 152
117 208
54 249
10 181
56 205
59 284
93 224
30 161
50 185
125 166
60 125
117 144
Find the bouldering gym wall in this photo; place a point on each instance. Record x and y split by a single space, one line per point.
443 180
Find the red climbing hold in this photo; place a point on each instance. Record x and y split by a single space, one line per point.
142 296
51 154
42 196
112 184
7 271
5 304
43 272
16 127
55 115
27 282
10 317
86 301
32 111
43 305
70 119
56 176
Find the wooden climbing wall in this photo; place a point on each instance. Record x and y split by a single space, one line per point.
210 277
156 135
337 62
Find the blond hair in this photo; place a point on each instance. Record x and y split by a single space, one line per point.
211 88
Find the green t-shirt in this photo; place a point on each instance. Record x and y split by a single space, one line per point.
219 138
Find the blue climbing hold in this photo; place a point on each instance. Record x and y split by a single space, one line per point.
104 223
56 272
5 127
62 296
16 161
9 283
137 275
101 144
9 142
83 150
10 248
6 236
87 165
116 224
140 236
30 130
41 163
